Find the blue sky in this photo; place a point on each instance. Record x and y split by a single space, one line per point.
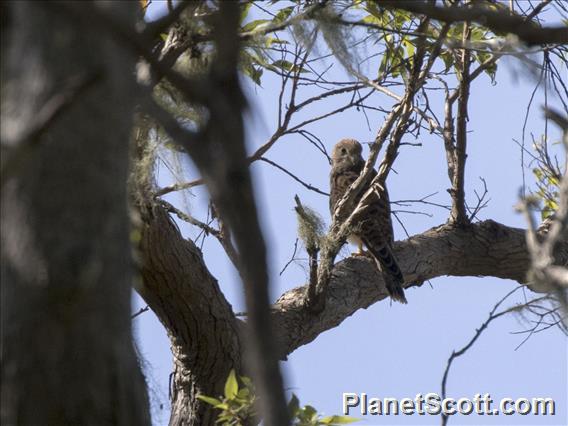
392 350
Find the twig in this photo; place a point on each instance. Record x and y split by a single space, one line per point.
535 329
293 176
456 354
178 187
140 312
292 258
221 236
544 273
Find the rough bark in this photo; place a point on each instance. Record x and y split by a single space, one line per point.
484 249
171 275
200 322
67 353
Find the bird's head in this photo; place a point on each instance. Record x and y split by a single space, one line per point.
347 154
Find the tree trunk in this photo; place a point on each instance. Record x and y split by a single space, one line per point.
68 98
204 333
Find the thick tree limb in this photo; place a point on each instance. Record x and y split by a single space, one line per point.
200 323
484 249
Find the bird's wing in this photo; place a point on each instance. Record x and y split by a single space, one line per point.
377 233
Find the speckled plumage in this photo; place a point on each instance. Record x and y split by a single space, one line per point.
374 228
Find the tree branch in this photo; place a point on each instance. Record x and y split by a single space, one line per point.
204 333
497 21
484 249
458 214
223 239
346 212
456 354
544 272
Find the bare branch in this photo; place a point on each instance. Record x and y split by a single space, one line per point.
293 176
456 354
140 312
546 274
178 187
224 240
292 258
458 214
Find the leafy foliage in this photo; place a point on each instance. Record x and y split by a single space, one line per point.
547 173
238 403
397 30
237 406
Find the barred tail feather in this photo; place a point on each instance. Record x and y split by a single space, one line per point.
392 274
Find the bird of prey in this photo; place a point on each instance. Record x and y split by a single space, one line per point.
374 227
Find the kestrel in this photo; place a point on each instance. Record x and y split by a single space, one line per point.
374 227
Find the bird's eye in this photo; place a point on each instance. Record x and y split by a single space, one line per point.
343 151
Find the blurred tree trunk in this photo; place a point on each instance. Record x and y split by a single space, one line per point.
67 104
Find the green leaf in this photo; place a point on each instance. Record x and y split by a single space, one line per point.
408 46
283 14
400 17
551 205
293 406
553 181
244 12
477 34
370 19
222 406
253 24
374 10
310 411
448 59
246 381
269 41
231 385
255 75
209 400
286 66
283 65
538 173
243 393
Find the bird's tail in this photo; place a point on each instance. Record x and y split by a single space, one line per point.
392 274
